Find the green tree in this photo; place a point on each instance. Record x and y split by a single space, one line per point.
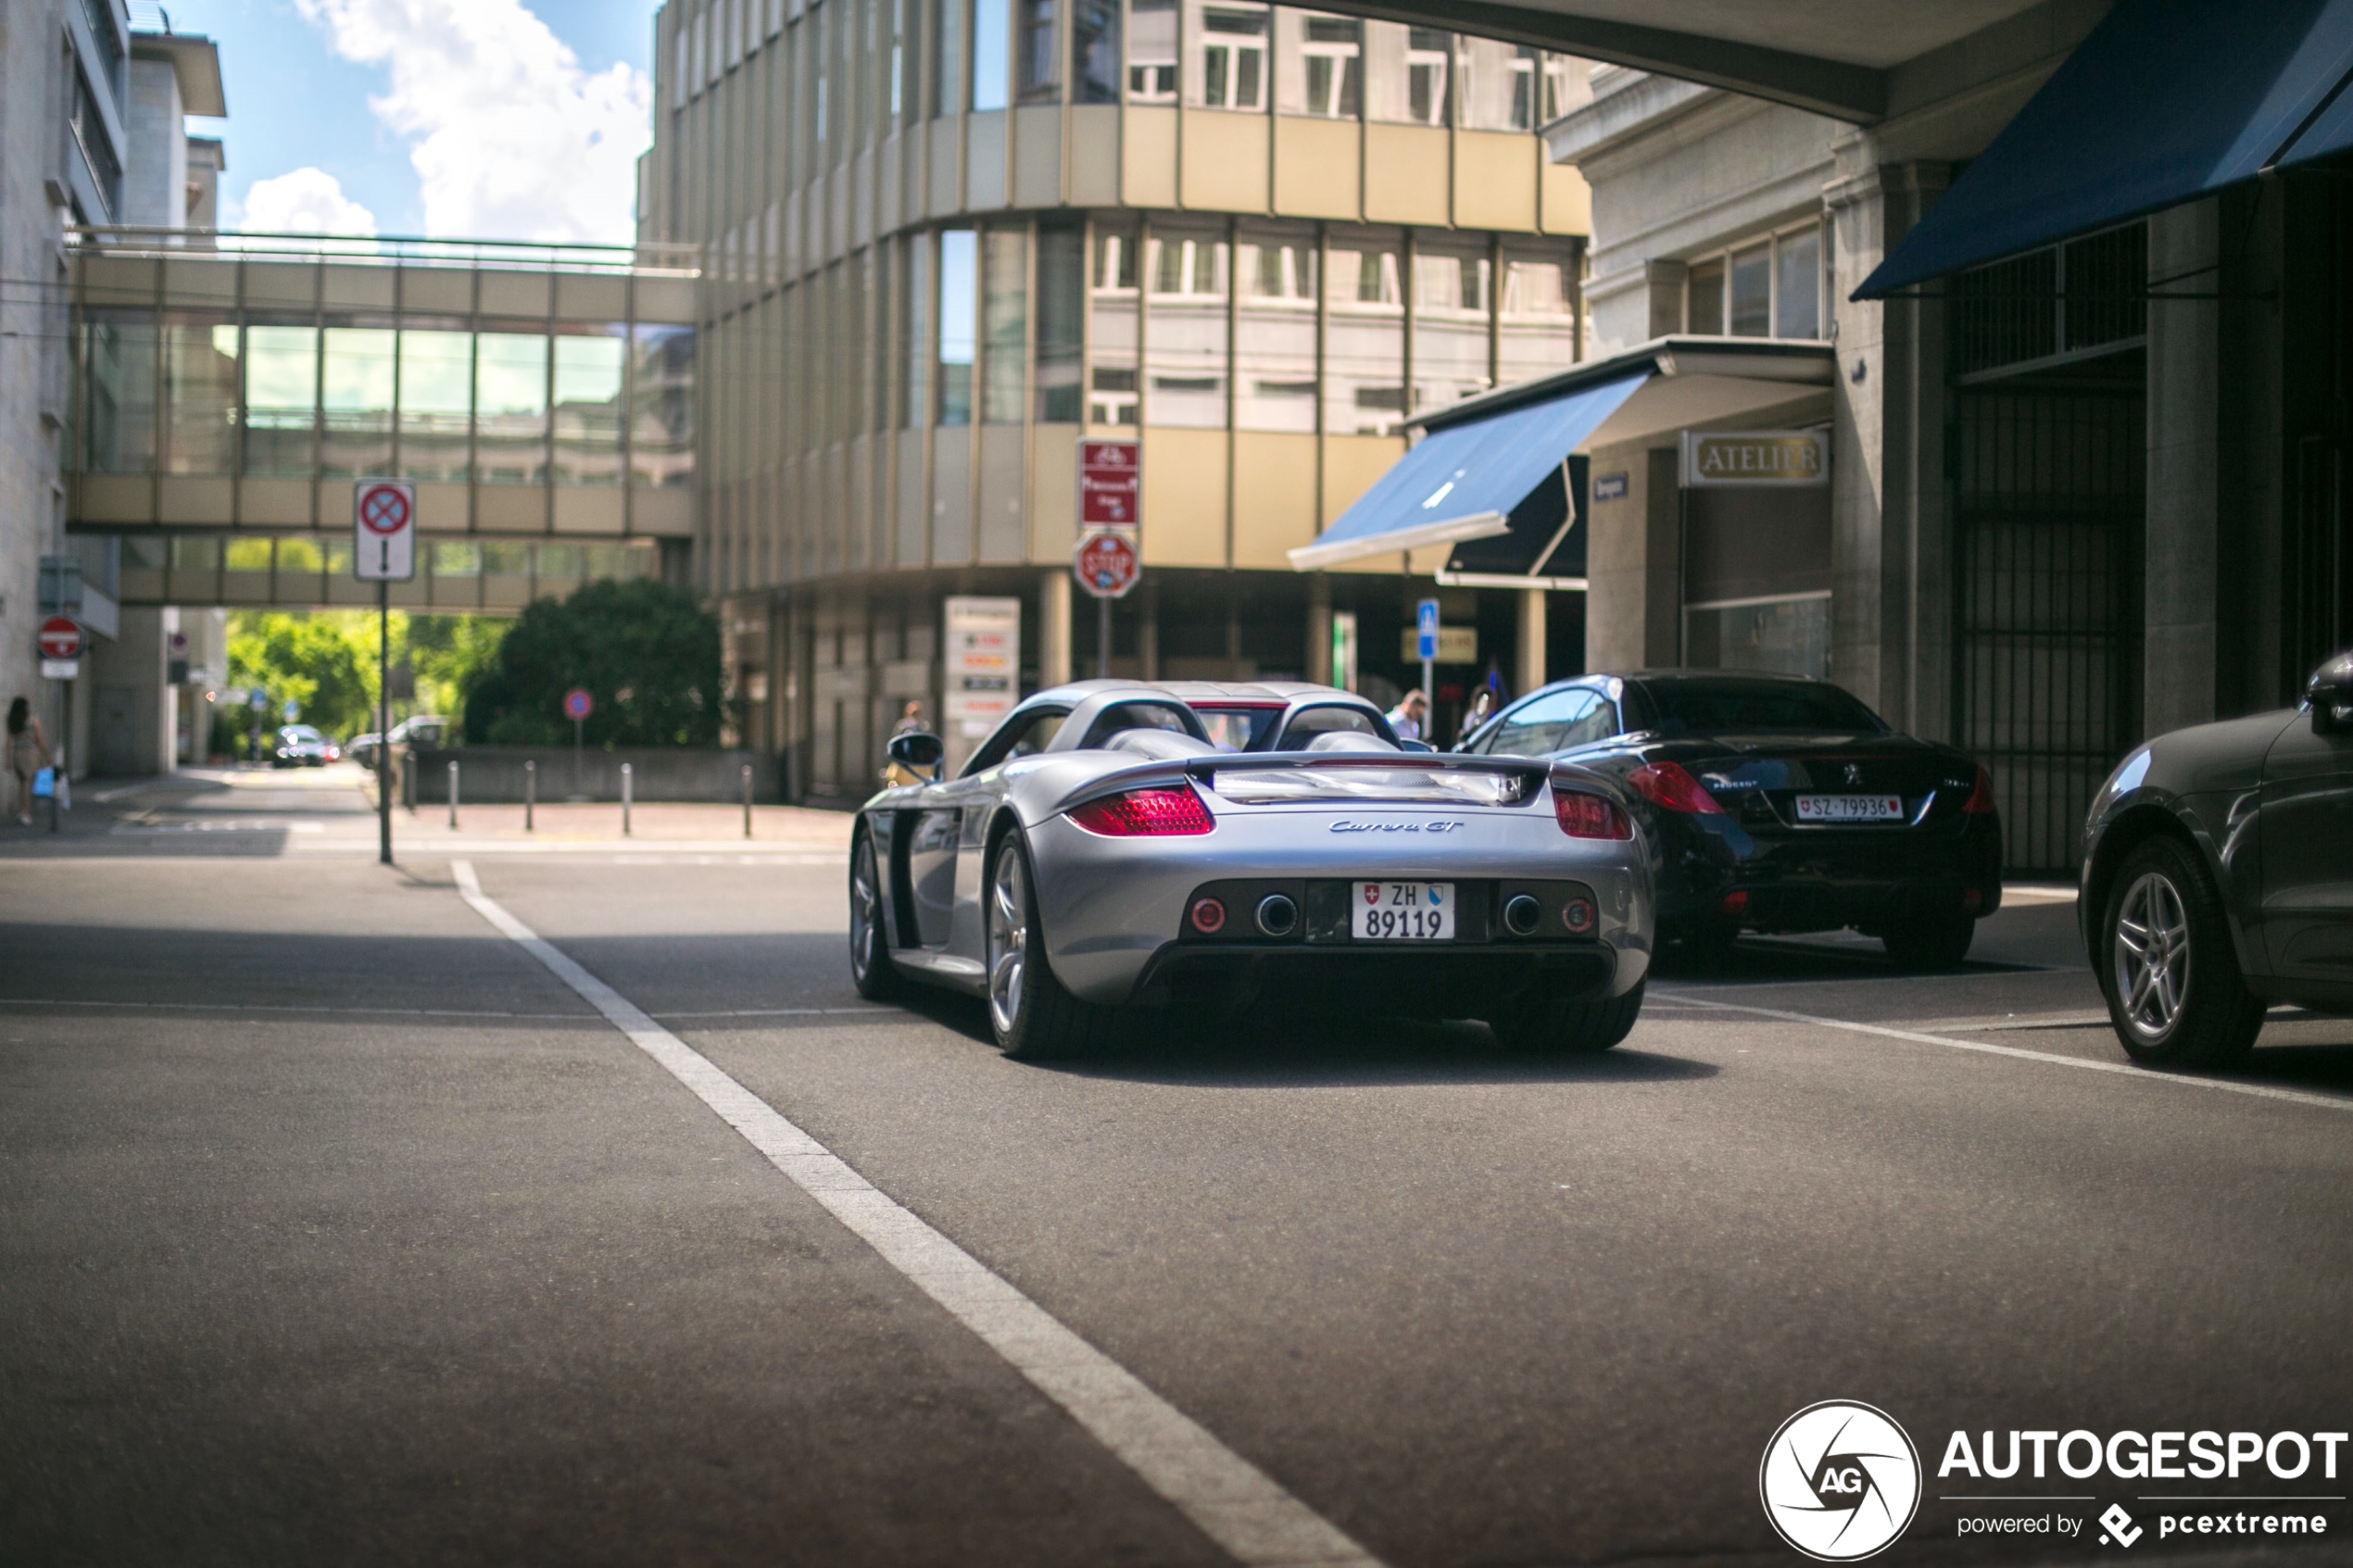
646 652
318 661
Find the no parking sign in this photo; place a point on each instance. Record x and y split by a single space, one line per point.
384 514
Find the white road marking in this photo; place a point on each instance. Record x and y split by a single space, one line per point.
1233 1503
2260 1091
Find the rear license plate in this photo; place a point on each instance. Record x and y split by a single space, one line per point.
1403 911
1850 808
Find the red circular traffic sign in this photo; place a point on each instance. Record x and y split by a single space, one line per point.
59 637
1106 564
578 704
384 509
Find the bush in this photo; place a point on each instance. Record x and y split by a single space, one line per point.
646 652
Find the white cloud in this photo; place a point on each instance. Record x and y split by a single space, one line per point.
515 139
309 201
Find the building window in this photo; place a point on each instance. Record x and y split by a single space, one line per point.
1094 51
1407 73
200 394
992 22
1770 287
1185 327
1452 283
355 399
661 407
1041 60
281 399
1230 42
1319 64
1151 52
1005 322
1566 87
119 382
436 403
1536 326
959 313
511 408
948 58
1365 333
914 326
589 364
1788 636
1275 331
1500 83
1061 299
1110 305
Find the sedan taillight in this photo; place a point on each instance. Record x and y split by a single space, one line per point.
1980 799
1671 788
1588 816
1140 813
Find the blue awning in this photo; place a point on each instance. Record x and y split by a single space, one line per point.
1463 481
2165 101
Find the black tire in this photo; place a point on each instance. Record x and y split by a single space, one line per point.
1570 1025
1032 1016
870 967
2166 966
1927 944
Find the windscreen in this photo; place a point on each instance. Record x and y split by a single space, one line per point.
1236 729
1727 704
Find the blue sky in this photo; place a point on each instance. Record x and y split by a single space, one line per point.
509 132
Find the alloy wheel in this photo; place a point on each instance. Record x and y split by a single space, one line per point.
2152 955
1008 939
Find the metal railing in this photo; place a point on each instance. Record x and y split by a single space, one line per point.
132 240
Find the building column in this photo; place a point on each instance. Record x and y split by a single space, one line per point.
1053 626
1634 563
1530 673
1319 629
2182 568
1890 618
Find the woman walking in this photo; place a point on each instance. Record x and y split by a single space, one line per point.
28 749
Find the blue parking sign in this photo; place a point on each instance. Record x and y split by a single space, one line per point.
1426 621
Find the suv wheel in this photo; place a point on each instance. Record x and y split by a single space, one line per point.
2174 991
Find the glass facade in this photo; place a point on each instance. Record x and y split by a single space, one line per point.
1005 322
1453 303
436 404
356 401
1274 329
1185 369
1112 322
200 393
282 400
1365 335
959 286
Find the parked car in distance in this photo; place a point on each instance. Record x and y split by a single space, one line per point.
1101 852
1777 803
424 729
2218 877
300 746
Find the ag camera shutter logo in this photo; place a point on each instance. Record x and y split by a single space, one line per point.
1841 1480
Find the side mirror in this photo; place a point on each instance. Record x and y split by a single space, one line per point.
918 750
2330 695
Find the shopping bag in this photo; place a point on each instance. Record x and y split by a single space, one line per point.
45 784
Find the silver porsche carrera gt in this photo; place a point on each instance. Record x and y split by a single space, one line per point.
1117 845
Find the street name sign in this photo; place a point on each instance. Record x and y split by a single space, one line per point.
1107 562
384 529
1110 483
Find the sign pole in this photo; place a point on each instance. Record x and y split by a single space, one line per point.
62 763
384 720
1102 638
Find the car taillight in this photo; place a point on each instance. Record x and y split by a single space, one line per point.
1980 799
1588 816
1668 786
1146 812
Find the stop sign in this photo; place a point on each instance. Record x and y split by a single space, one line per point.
59 637
1106 563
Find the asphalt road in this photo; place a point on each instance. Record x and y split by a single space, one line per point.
334 1227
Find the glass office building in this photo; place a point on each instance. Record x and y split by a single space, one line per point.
941 240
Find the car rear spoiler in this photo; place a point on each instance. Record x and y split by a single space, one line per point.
1531 771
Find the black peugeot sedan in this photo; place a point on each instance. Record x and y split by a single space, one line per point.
1775 803
2218 877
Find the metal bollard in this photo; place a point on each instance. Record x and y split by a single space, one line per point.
625 800
453 794
530 792
746 800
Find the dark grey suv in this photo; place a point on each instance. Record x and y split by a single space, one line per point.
2218 877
